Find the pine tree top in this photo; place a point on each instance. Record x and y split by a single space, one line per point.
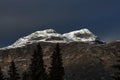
12 72
1 75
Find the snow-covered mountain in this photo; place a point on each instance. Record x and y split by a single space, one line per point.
50 35
83 35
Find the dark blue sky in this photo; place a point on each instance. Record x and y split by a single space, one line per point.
22 17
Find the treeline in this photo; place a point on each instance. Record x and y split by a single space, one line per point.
36 69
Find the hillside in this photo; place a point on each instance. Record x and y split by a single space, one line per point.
80 59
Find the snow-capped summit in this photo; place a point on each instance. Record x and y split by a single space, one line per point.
50 35
83 35
48 31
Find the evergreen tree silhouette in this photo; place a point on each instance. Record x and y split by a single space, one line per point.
1 75
25 76
37 68
116 75
12 72
56 69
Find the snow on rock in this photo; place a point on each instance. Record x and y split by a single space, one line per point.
83 35
50 35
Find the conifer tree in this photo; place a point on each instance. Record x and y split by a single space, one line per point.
37 68
12 72
116 75
25 76
56 69
1 75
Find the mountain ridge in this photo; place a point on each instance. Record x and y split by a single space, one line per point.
50 35
80 58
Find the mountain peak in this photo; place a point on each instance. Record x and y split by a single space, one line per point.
50 35
46 31
83 35
49 31
84 30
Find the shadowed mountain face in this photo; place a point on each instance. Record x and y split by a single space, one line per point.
82 61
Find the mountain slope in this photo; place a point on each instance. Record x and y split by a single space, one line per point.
82 61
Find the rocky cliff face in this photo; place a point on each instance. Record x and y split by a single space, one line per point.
82 61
